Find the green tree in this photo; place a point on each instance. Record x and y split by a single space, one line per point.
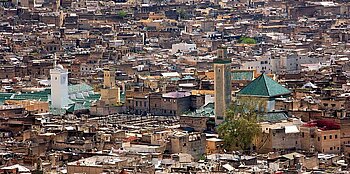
182 14
247 40
241 126
122 14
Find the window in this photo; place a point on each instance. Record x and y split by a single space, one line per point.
337 148
318 138
331 148
335 136
330 136
302 134
324 137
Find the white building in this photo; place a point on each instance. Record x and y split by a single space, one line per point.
183 47
283 60
59 86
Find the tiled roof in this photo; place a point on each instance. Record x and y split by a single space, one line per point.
264 86
75 104
40 96
242 75
275 116
5 96
204 111
188 78
79 88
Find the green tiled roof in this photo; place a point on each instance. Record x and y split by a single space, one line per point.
93 97
175 79
79 106
83 87
242 75
5 96
188 78
204 111
71 108
74 104
122 96
41 96
264 86
276 116
57 111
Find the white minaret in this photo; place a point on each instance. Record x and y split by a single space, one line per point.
59 85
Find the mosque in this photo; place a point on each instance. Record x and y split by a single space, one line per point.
63 98
71 98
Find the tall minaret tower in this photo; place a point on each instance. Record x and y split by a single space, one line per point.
59 85
110 93
222 84
108 78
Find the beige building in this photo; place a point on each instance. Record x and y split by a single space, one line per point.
27 3
31 105
278 136
321 136
97 164
190 143
328 141
197 122
214 145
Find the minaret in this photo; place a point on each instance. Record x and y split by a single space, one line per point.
110 93
108 78
59 85
222 84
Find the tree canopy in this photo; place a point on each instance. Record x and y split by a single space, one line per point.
247 40
122 14
181 13
241 123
